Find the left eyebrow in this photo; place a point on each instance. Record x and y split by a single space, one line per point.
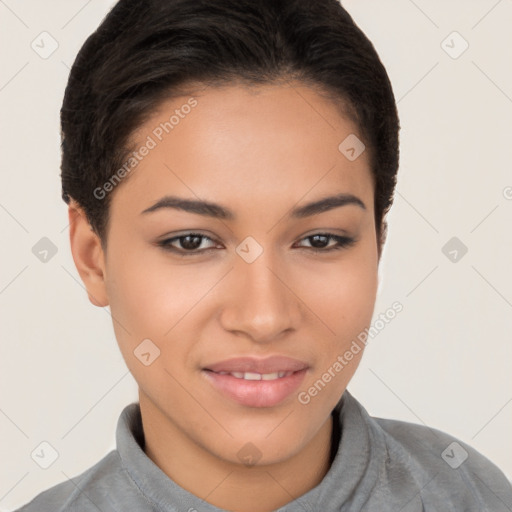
326 204
209 209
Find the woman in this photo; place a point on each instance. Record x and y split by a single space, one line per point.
228 167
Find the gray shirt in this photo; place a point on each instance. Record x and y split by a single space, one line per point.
380 465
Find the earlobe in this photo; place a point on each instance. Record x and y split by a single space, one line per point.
88 255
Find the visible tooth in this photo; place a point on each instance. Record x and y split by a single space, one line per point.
257 376
252 376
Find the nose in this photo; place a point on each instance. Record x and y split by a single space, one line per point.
260 302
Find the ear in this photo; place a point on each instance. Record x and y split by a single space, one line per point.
382 238
88 255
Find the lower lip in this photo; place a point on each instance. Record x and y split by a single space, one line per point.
256 393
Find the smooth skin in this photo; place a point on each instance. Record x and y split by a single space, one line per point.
259 151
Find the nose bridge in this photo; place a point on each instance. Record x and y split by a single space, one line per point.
261 306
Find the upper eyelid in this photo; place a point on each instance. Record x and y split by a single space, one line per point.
188 233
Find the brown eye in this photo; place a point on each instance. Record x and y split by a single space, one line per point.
189 242
319 242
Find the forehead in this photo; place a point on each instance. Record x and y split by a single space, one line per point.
246 145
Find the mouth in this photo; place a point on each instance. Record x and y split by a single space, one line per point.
248 365
253 389
256 376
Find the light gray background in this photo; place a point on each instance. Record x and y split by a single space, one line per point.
445 360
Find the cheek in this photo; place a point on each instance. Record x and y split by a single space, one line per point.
145 291
152 298
345 305
343 293
139 295
145 304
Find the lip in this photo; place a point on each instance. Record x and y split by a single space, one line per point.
256 393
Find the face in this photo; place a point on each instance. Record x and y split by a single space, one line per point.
261 277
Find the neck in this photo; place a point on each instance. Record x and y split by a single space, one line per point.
227 485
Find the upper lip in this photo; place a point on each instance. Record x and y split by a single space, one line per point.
271 364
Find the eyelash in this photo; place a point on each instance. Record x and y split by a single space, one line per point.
342 243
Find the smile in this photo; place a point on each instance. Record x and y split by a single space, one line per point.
257 376
255 389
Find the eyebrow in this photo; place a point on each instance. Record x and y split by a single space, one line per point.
218 211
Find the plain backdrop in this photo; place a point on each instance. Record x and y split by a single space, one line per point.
445 360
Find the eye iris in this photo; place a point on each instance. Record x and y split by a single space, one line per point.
315 238
190 245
